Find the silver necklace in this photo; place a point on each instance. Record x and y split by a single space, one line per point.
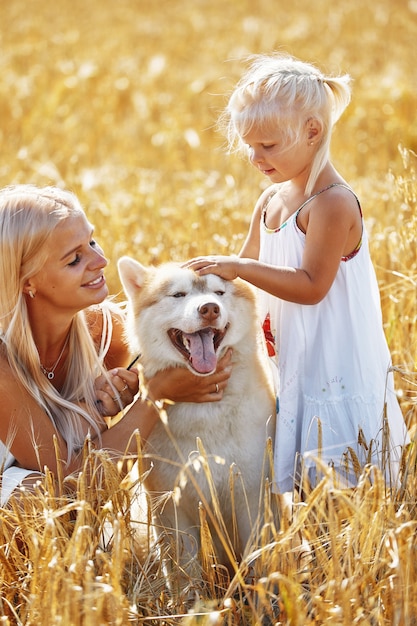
50 371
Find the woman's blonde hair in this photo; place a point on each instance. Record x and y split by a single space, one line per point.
280 94
28 218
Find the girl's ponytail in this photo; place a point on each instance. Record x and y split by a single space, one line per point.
340 94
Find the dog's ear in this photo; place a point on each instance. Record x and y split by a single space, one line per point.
132 274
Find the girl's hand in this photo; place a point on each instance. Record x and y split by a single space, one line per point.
224 266
117 390
179 384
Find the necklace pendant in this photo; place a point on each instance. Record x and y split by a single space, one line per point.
50 373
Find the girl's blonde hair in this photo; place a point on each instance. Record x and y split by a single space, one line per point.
279 94
28 218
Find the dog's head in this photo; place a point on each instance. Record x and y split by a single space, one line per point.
176 317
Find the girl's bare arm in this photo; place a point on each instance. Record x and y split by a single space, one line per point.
331 230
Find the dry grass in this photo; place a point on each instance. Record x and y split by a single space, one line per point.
338 557
118 101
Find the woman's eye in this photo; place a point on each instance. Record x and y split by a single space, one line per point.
76 260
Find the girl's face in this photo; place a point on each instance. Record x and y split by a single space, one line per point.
72 277
280 162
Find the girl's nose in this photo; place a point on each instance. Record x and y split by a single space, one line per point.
255 156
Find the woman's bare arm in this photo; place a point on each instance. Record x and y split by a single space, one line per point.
31 436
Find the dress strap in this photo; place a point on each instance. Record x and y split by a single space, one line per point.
294 215
325 189
359 245
267 201
106 333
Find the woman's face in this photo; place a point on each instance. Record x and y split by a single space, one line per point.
72 277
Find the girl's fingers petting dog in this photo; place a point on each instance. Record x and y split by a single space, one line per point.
224 266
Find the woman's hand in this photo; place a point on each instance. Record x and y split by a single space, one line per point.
116 391
224 266
179 384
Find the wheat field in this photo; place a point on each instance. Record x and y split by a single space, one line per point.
118 101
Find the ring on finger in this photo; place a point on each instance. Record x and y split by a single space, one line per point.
124 388
217 388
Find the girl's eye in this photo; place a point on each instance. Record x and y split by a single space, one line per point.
262 145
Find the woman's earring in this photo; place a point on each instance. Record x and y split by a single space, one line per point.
32 295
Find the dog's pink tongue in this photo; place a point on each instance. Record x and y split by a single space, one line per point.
202 353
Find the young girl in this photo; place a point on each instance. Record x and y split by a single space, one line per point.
63 358
307 252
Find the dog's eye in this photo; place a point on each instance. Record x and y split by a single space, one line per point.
219 293
179 294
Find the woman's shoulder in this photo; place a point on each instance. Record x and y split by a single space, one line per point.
106 319
97 315
9 385
4 362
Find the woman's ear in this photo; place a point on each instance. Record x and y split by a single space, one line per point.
29 289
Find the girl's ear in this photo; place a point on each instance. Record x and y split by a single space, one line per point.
314 129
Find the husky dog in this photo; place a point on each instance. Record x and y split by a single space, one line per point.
177 318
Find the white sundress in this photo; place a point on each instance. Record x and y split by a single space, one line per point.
332 366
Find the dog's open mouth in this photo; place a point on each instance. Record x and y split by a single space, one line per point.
199 348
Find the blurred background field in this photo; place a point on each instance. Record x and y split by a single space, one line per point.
118 101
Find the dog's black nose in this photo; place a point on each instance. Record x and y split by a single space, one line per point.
210 311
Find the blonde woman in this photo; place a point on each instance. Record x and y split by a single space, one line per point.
63 360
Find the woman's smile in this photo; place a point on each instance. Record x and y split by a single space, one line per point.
96 283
